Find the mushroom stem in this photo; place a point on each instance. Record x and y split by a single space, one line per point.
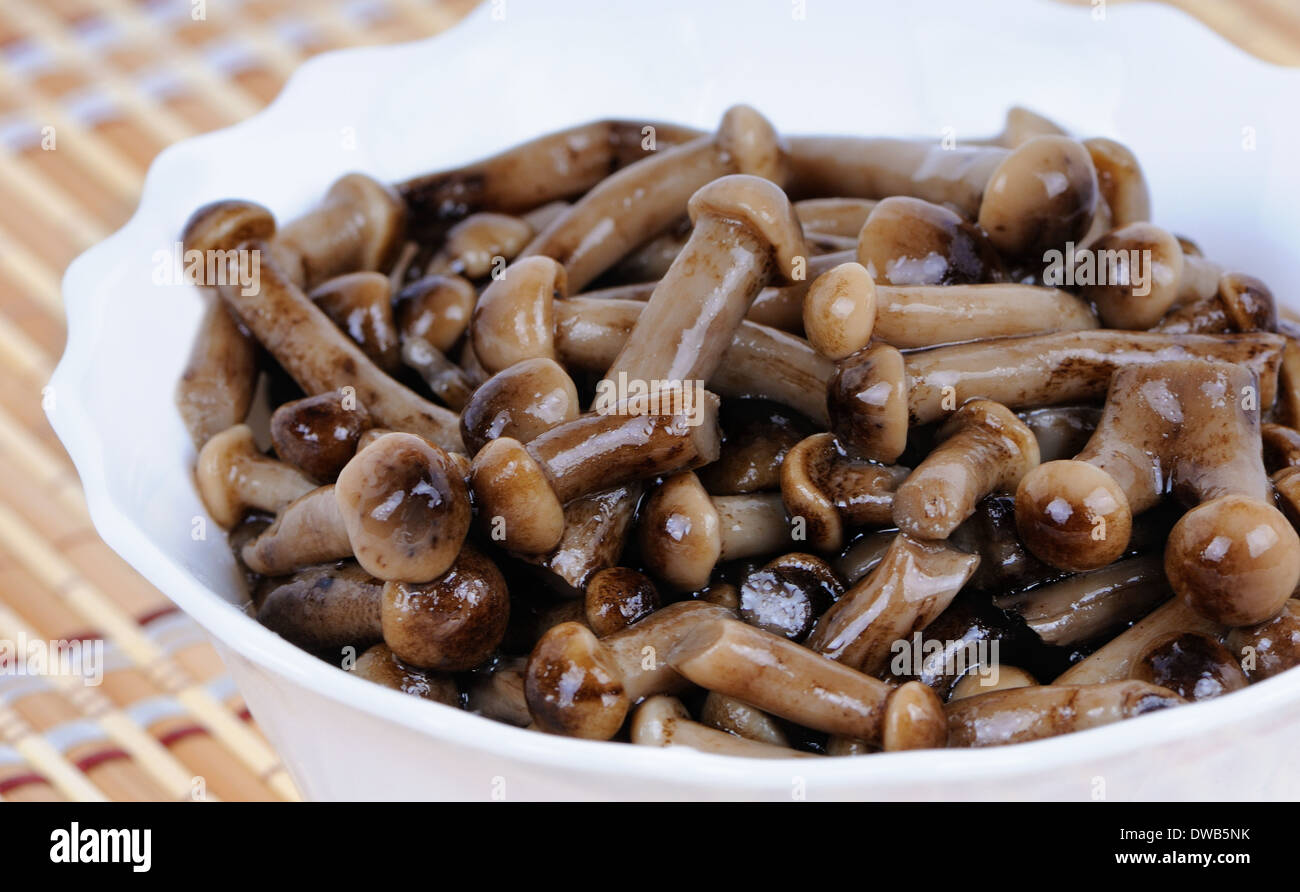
739 718
321 358
1115 659
664 721
446 380
220 378
1022 714
834 216
307 531
913 583
358 226
233 476
596 528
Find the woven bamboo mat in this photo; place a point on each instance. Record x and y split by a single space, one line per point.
90 91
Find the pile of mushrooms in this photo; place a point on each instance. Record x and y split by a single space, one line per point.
644 433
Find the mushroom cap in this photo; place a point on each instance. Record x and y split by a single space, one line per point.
1234 560
323 607
218 469
405 508
1281 446
1247 302
1192 665
225 225
514 318
829 489
617 597
475 242
757 436
914 719
380 665
522 401
381 212
574 686
436 308
515 497
680 533
317 434
1073 515
1118 304
752 141
1276 643
760 206
360 304
1120 180
787 594
839 310
1041 196
909 241
867 401
452 623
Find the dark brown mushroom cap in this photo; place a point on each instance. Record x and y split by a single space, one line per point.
317 434
830 489
1117 301
757 434
522 401
515 498
867 401
908 241
360 304
452 623
1073 515
380 665
1270 647
787 594
436 308
680 533
405 507
514 318
325 607
225 225
573 686
1191 665
1041 196
617 597
1234 560
761 207
1120 180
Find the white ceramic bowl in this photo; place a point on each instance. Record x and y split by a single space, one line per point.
1215 130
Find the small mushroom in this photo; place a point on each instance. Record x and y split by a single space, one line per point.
664 721
1128 297
829 490
596 529
839 311
685 532
907 241
1019 715
435 308
649 195
361 305
445 380
775 675
479 241
582 686
499 693
983 449
1043 195
756 437
451 623
1006 678
739 718
319 434
527 485
358 226
1115 659
788 593
400 506
617 597
1193 666
913 583
323 608
1270 648
1281 447
234 477
521 401
380 665
1242 303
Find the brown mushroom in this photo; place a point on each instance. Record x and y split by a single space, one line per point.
1019 715
323 608
521 401
380 665
913 583
1242 303
1270 648
1281 447
1134 274
319 434
617 597
361 305
436 308
359 225
1120 180
685 532
834 216
788 593
739 718
234 476
785 679
582 686
756 437
527 485
907 241
664 721
596 529
839 311
1003 678
1115 659
451 623
982 449
445 380
827 490
499 693
479 242
1193 666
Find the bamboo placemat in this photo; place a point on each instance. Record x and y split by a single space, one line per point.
90 91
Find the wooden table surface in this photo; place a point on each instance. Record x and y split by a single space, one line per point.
90 91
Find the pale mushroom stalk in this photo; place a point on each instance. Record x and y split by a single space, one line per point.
664 721
234 476
739 718
1033 713
359 225
445 380
1115 659
596 529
